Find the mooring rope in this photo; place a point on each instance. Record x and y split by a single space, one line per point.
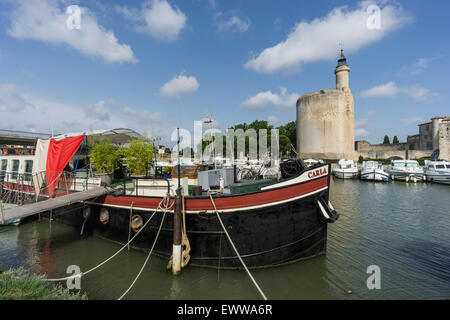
167 207
185 245
146 260
235 250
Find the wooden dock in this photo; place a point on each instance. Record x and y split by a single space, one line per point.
30 209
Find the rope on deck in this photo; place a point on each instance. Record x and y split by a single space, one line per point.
235 250
164 201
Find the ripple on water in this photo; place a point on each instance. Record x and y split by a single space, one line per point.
403 228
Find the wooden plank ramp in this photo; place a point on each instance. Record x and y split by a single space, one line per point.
51 204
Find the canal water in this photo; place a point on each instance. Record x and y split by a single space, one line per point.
404 229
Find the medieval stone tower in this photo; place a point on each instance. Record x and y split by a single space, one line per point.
325 120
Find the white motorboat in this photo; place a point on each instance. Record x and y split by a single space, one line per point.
437 171
406 170
345 169
373 170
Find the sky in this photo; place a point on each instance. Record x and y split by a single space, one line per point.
154 65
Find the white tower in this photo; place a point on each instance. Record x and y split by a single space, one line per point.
341 72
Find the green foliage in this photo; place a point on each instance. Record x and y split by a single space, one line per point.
20 285
104 156
395 140
289 130
287 137
360 159
139 156
168 170
386 140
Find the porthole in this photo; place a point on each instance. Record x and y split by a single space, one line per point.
104 216
136 222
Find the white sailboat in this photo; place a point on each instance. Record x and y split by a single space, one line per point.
373 171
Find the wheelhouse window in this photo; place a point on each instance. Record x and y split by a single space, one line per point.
440 166
4 165
412 165
15 168
28 169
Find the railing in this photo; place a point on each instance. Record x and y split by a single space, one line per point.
145 186
20 188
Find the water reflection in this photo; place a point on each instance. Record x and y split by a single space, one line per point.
403 228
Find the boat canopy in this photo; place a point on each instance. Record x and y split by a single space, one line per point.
344 163
117 136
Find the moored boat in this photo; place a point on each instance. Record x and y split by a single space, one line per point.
373 171
437 171
406 170
270 224
345 169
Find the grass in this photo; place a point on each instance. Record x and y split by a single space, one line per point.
18 284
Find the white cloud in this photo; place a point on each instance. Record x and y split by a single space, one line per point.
98 111
419 66
179 85
46 21
45 114
361 132
157 18
386 90
12 100
419 94
390 90
263 100
412 120
143 115
272 120
320 38
233 24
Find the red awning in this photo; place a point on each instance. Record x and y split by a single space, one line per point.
59 154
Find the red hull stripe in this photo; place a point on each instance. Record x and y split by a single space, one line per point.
227 203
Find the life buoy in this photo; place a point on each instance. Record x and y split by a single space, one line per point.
136 222
104 216
86 212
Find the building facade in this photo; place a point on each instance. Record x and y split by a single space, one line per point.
433 138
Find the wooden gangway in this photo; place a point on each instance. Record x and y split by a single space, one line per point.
51 204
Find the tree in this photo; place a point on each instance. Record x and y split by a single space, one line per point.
360 159
284 144
386 140
104 156
139 156
395 140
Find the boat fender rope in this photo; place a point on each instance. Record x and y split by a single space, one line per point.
329 214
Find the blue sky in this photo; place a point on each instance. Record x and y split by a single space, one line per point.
157 64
